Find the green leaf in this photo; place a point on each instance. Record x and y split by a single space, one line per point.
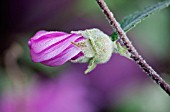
132 20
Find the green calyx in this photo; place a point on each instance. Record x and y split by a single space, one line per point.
97 48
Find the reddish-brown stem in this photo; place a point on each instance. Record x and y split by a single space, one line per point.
131 49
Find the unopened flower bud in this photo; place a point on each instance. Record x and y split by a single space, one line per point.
55 48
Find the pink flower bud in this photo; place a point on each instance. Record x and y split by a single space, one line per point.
54 48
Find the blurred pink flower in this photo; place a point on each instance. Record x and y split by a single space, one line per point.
67 93
54 48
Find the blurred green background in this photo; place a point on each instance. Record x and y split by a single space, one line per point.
118 86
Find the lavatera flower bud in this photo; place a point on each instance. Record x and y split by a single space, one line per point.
55 48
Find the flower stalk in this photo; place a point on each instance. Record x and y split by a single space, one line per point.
131 49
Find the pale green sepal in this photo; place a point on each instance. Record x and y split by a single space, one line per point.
91 66
121 50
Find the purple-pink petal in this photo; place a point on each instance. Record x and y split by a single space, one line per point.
41 44
54 48
80 54
46 34
66 55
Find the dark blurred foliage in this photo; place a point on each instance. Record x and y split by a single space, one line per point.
117 86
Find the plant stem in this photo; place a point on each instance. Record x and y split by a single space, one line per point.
131 49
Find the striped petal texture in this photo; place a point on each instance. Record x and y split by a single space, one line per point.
54 48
